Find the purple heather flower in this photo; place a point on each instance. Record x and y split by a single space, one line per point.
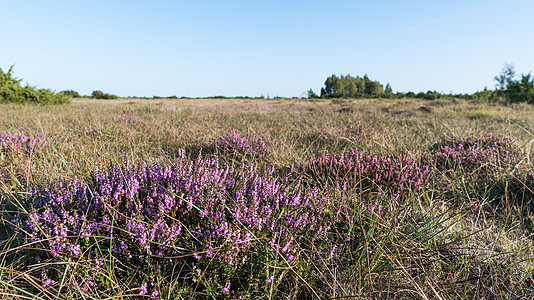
48 282
226 288
239 205
233 143
125 118
21 144
143 289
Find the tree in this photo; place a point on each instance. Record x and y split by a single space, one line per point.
512 89
312 94
373 88
521 90
101 95
350 87
388 89
506 77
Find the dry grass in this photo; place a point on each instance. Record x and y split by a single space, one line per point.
467 247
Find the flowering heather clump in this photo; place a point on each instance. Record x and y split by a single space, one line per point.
236 225
125 118
21 144
233 143
481 154
396 173
352 133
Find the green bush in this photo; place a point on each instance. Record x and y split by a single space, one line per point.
12 91
71 93
521 90
102 95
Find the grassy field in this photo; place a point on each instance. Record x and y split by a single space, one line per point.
294 199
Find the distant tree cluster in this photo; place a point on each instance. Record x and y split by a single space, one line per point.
102 95
352 87
509 88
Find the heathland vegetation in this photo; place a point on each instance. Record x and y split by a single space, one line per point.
218 198
401 198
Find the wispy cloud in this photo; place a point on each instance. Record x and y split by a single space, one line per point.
446 18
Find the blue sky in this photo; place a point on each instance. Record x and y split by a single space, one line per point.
253 48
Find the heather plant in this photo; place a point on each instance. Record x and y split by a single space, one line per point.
383 242
235 145
179 221
126 118
18 154
14 145
484 155
395 173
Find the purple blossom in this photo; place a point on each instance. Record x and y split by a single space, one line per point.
186 209
226 288
21 143
480 154
233 143
125 118
48 282
394 172
143 289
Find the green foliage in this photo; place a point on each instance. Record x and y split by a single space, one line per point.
312 94
70 93
484 95
388 89
521 90
351 87
429 95
12 91
101 95
514 90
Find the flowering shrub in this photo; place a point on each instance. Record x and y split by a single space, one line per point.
180 221
481 154
21 143
235 144
396 173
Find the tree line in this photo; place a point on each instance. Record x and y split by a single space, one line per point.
351 87
510 88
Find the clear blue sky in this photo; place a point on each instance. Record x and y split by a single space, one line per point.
250 48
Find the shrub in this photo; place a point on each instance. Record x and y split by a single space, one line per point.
12 91
126 118
70 93
101 95
480 155
232 143
14 144
521 90
178 222
371 173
